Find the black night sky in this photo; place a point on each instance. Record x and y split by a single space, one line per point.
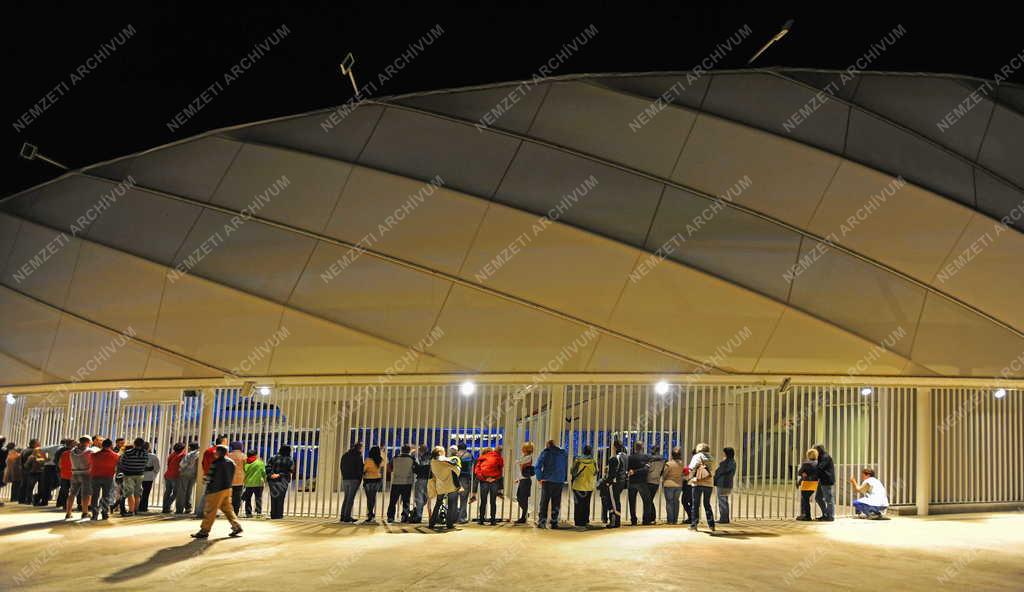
179 49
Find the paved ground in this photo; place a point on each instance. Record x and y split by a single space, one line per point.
38 551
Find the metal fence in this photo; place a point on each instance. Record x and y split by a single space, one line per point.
976 456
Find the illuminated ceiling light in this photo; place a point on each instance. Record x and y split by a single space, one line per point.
264 390
123 394
661 388
467 388
999 394
867 391
11 399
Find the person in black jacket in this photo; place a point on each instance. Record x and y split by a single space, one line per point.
612 484
723 483
218 494
280 471
637 465
826 481
808 483
351 476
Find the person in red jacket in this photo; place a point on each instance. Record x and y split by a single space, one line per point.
102 470
488 470
64 471
171 475
209 455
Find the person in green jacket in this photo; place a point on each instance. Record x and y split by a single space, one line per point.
255 475
584 479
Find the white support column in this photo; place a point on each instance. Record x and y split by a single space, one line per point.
205 437
923 472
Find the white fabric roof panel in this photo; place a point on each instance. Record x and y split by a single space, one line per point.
619 194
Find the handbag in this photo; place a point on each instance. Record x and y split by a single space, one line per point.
701 473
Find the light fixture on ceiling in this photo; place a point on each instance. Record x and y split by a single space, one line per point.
263 390
867 391
661 387
1000 393
467 388
122 394
11 399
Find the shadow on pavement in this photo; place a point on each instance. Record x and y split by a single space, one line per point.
163 557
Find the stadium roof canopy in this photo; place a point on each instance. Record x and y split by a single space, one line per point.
759 221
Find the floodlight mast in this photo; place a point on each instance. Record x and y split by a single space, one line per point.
782 33
31 152
346 70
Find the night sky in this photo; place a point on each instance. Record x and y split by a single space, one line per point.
124 103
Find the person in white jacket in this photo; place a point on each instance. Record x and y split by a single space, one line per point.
443 486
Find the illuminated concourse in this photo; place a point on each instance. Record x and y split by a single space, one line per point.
582 259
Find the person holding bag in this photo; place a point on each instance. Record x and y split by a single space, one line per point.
807 481
702 481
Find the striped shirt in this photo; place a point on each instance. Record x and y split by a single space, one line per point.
133 461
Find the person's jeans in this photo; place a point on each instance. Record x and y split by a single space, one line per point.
581 507
723 504
868 510
147 487
247 497
488 491
672 504
611 500
278 492
102 494
36 481
62 494
805 504
650 510
218 500
183 494
466 483
168 495
452 500
350 487
825 501
420 499
645 497
400 492
236 497
702 495
687 501
51 479
371 488
550 493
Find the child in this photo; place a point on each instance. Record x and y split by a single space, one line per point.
255 475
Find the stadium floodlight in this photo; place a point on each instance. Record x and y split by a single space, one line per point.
31 152
346 70
782 33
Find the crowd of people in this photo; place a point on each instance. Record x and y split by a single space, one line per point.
97 476
443 484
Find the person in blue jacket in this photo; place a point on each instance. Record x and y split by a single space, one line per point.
551 469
